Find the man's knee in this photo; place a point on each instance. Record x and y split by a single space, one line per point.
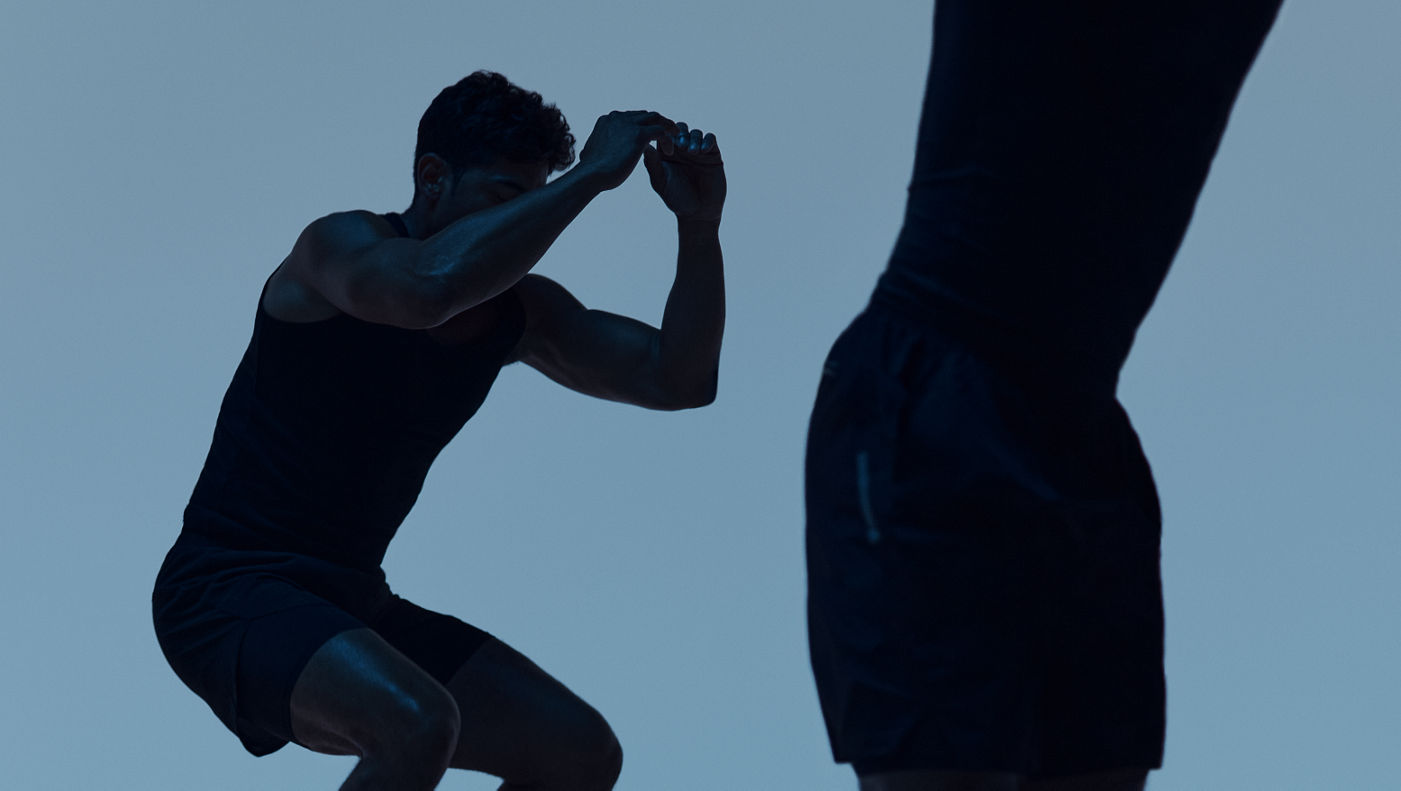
358 695
593 759
421 727
610 763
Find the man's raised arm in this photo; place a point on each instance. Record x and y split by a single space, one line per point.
356 264
622 359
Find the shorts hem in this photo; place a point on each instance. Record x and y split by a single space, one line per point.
906 762
264 722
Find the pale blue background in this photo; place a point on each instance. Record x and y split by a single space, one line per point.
157 159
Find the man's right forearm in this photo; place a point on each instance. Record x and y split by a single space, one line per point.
487 252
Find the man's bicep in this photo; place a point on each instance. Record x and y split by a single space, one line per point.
356 262
552 315
592 351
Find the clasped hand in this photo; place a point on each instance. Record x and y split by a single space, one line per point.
685 167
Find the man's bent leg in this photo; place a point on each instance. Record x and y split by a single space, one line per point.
523 726
358 695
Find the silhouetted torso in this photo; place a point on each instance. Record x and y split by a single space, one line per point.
328 429
1062 147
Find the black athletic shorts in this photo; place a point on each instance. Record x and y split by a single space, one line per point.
238 625
983 558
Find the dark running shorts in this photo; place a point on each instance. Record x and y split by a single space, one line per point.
238 626
983 560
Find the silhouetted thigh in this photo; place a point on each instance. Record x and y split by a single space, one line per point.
357 692
519 721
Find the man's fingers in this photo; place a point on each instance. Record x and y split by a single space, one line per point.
674 139
656 132
668 142
696 145
653 126
644 117
652 161
650 116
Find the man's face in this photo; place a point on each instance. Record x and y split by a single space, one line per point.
475 189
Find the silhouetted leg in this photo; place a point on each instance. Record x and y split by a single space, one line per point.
523 726
358 695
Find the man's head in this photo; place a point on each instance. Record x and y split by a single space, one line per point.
484 140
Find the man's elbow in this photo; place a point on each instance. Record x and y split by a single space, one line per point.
423 304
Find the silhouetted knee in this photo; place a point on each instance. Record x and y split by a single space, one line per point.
609 765
418 736
589 759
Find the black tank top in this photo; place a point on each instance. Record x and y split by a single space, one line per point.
1062 147
328 429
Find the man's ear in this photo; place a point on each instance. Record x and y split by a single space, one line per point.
431 175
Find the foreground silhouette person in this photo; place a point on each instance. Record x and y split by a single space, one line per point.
373 342
985 607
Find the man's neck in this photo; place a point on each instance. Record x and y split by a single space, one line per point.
415 221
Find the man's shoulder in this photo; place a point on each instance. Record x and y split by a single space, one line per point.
291 295
346 229
336 238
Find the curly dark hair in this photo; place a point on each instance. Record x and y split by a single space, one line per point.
485 117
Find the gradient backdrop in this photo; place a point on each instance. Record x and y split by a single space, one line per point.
157 160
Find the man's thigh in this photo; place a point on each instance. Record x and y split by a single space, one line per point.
359 694
362 687
521 724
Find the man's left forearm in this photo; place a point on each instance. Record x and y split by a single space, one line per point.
694 321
